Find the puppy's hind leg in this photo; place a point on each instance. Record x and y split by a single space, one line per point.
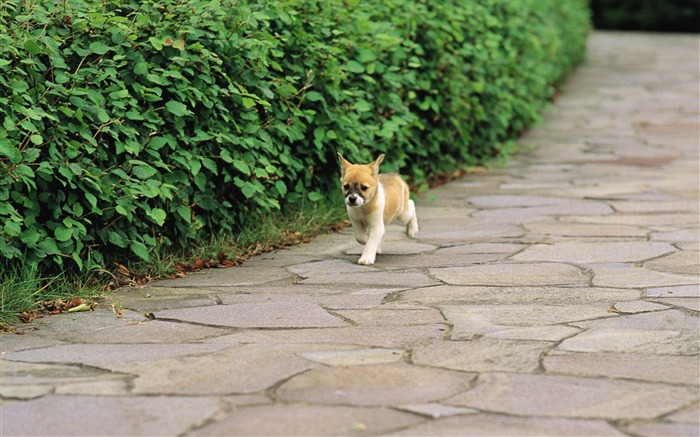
411 220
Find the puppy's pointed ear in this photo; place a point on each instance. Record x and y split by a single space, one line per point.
375 164
344 164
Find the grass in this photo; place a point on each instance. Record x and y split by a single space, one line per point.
28 292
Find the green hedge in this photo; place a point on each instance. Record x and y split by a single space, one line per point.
129 124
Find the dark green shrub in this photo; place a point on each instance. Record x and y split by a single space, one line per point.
127 124
650 15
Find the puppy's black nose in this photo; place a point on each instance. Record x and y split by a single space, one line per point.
352 200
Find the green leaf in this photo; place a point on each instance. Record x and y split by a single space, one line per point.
248 102
143 171
99 48
354 67
32 47
314 96
63 233
315 196
177 108
139 249
36 139
158 215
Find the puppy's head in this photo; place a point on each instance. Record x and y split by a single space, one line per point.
360 182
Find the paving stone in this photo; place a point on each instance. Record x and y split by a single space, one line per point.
248 369
627 340
16 375
109 355
328 267
543 333
657 368
638 306
501 425
627 276
586 253
308 420
664 429
383 384
514 201
482 355
355 357
393 247
579 230
404 337
690 303
452 294
580 207
372 278
227 277
512 275
257 315
436 410
440 260
107 416
688 414
551 396
679 291
659 320
685 262
467 231
472 320
153 331
393 317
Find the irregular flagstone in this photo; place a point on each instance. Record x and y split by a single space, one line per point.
586 253
501 425
227 277
355 357
512 275
403 337
257 315
369 279
452 294
482 355
544 333
393 247
579 230
381 317
308 420
638 306
663 429
471 320
383 384
246 369
551 396
633 341
440 260
110 355
461 232
679 291
685 262
435 410
328 267
659 320
105 415
657 368
690 303
580 207
513 201
627 276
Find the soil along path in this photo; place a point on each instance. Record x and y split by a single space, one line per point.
555 296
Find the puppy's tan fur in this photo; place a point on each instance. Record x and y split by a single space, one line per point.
374 200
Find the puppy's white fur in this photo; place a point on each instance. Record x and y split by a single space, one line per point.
372 201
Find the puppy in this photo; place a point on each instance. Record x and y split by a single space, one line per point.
372 201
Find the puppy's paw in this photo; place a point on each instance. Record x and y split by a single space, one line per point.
366 261
412 230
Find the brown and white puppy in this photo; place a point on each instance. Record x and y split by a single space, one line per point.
374 200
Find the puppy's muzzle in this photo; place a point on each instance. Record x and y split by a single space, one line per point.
354 199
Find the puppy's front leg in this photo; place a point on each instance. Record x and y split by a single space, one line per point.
369 253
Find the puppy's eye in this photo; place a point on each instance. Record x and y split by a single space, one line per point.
346 187
364 187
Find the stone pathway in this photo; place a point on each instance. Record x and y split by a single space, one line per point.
556 296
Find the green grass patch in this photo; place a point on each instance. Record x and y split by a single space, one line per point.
28 293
